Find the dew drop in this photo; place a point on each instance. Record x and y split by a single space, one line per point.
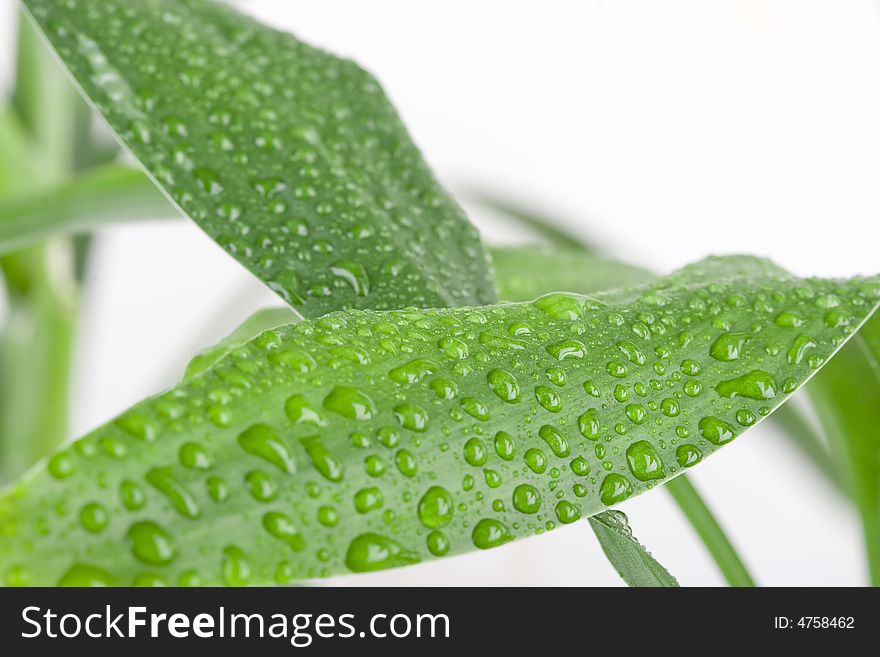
300 411
567 349
757 385
350 403
798 351
354 274
644 462
636 413
560 306
414 371
436 508
261 486
325 462
261 441
614 488
588 424
670 407
138 426
194 456
438 544
131 495
406 462
217 489
412 417
688 455
504 445
555 440
566 512
526 499
163 480
328 516
504 385
283 528
236 569
475 452
548 398
83 575
788 319
632 352
475 408
716 431
489 533
61 465
151 544
369 552
368 499
93 517
444 388
535 460
579 466
453 348
729 346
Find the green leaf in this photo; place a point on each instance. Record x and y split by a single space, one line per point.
105 194
799 430
524 273
293 160
367 440
846 395
262 320
538 222
630 559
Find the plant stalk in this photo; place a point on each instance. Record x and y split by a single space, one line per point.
36 343
710 532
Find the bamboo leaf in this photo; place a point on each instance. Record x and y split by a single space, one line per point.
710 532
846 395
292 159
109 193
524 273
544 226
630 559
262 320
367 440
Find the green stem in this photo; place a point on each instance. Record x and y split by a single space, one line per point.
37 342
800 432
711 533
35 352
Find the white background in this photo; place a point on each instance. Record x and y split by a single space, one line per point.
664 131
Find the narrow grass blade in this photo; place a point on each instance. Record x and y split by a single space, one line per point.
846 395
630 559
711 533
110 193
